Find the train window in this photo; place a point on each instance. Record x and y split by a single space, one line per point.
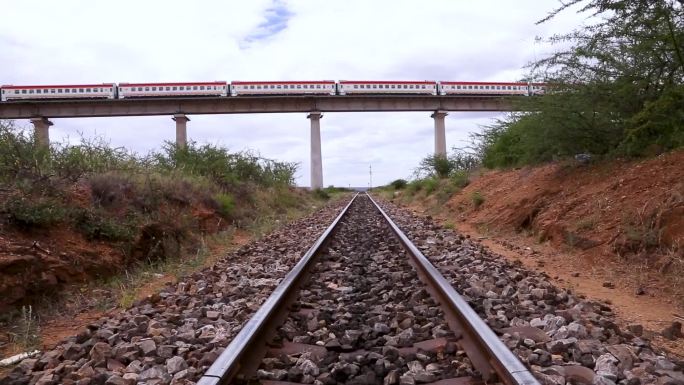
23 91
251 87
356 86
30 91
52 91
154 88
279 86
201 88
318 86
38 91
194 88
174 88
59 90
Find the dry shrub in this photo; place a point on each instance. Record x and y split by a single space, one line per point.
110 189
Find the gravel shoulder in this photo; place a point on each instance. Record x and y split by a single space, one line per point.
550 328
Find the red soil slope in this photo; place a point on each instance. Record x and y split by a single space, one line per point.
611 230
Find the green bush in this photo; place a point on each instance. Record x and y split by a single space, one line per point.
34 212
414 186
71 162
399 184
226 204
224 168
430 185
19 156
321 194
477 199
460 179
98 224
437 165
334 190
615 87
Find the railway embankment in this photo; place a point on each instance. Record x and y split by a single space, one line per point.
611 230
87 229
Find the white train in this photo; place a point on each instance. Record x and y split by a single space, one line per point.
244 88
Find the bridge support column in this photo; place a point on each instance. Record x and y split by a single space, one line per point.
41 131
440 132
316 159
181 130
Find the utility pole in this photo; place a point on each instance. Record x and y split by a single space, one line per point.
370 173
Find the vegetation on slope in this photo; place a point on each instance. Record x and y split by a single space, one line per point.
615 88
75 212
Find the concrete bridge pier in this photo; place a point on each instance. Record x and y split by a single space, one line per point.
316 159
181 130
41 131
440 132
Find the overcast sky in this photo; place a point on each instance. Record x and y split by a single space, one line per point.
86 41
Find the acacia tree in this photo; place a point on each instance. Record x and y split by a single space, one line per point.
615 86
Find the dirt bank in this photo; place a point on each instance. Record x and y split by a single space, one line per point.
611 230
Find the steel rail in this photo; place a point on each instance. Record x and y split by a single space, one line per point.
486 351
244 351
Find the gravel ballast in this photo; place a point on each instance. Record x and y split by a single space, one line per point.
366 312
565 339
172 337
365 305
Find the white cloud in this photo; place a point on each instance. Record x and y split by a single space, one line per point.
72 41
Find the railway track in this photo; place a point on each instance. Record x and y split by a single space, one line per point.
359 307
364 306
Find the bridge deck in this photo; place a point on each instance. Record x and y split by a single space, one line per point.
249 104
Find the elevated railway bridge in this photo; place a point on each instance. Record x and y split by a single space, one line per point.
41 112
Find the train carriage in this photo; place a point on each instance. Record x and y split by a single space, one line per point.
160 90
347 87
314 87
537 88
266 88
482 88
41 92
